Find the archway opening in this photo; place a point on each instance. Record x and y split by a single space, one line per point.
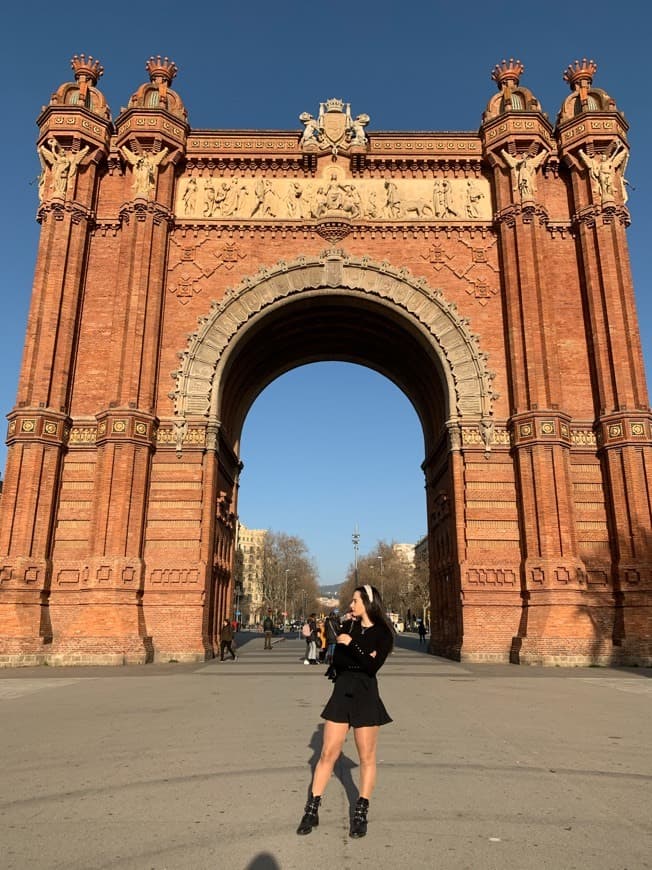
349 326
329 448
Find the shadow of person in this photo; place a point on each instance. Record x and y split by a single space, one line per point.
263 861
343 769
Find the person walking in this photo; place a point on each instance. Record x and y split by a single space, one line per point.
332 630
311 641
226 640
422 632
268 629
360 652
321 641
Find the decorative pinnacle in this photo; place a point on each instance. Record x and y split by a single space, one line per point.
580 73
87 68
161 69
507 72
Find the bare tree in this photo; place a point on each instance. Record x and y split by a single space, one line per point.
386 569
289 576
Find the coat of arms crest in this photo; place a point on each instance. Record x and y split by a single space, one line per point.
334 129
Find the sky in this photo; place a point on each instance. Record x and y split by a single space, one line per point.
320 443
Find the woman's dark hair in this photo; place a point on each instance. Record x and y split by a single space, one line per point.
376 609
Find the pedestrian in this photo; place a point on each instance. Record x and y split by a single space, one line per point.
226 640
321 641
422 632
310 635
360 652
268 629
332 630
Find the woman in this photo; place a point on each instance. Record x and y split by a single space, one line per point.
360 652
321 641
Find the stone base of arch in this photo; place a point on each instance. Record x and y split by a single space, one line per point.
571 629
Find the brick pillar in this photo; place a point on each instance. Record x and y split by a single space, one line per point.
593 147
518 145
39 423
113 622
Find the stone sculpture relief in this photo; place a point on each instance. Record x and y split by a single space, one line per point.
334 196
524 168
602 171
334 129
145 169
62 165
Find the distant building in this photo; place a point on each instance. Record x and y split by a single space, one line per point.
405 552
251 544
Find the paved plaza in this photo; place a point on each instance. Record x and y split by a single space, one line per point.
190 767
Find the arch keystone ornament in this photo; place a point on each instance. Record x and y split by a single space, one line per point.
415 254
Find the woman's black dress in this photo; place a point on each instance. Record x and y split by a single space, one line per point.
355 697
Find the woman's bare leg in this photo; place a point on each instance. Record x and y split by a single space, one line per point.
334 737
365 741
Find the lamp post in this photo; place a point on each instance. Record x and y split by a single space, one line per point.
355 537
382 583
285 606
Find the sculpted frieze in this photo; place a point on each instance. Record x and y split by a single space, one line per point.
333 196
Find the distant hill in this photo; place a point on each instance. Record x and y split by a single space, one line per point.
332 591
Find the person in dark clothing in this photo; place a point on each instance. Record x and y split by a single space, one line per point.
226 640
268 629
362 646
311 641
422 632
332 630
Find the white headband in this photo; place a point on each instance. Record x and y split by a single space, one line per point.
369 591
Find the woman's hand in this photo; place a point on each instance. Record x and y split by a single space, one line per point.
343 638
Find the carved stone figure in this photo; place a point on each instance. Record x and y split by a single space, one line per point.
145 168
233 199
602 171
371 210
442 200
263 207
392 203
356 133
524 168
312 134
190 197
292 200
473 197
335 193
63 167
180 431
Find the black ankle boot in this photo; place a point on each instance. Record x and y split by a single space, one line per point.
359 821
310 818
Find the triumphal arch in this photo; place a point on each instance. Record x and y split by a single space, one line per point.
179 271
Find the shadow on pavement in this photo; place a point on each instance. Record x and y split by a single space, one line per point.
263 861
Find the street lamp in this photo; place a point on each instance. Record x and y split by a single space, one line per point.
355 537
285 608
382 582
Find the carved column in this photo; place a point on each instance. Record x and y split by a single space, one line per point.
593 144
517 144
73 142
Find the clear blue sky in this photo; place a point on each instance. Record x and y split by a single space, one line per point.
412 65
